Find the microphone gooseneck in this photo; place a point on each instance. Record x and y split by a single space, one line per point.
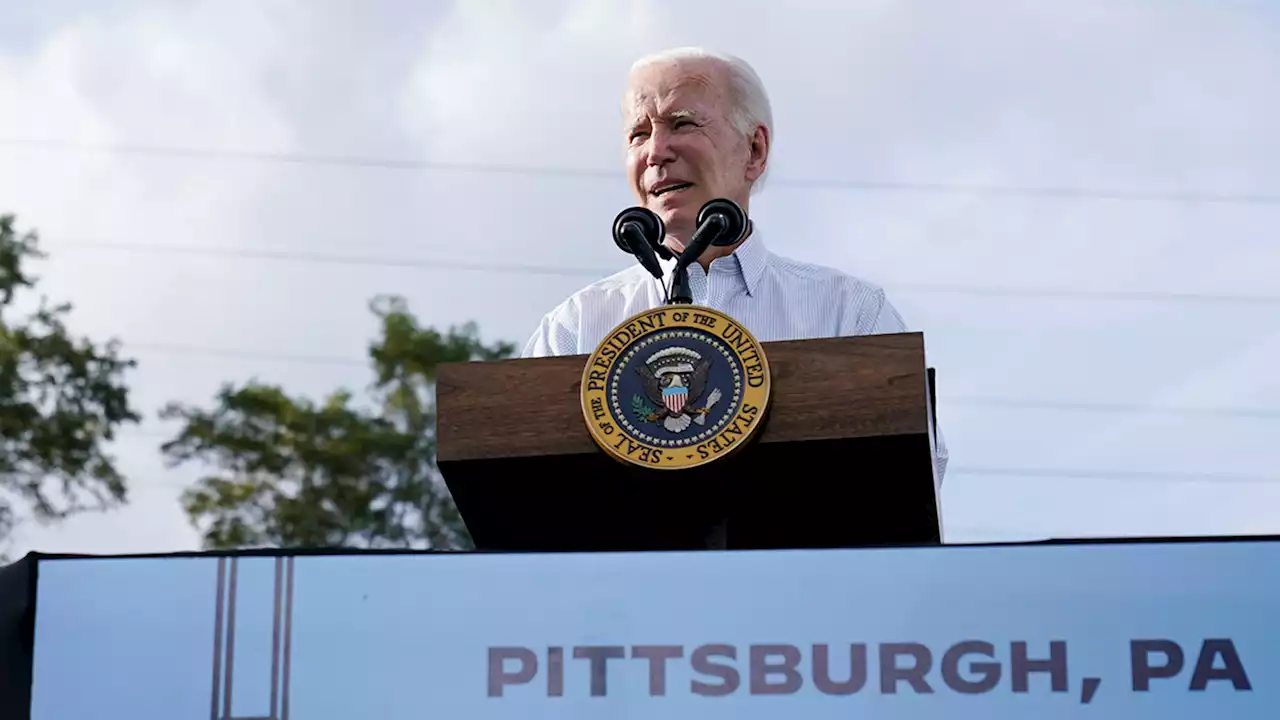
721 223
639 231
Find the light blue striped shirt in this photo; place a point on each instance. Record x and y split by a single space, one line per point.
776 298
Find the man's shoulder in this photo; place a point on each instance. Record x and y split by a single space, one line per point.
631 279
857 306
622 286
811 273
589 312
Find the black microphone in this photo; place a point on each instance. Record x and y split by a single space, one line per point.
720 222
640 231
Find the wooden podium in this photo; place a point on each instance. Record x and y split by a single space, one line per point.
846 459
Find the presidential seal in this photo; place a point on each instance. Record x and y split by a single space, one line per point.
675 387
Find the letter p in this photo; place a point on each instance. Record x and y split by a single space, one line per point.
500 677
1140 662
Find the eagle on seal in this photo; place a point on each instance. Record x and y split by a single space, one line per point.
674 379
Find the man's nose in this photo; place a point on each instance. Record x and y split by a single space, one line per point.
661 151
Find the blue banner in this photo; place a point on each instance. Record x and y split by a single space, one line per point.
1123 631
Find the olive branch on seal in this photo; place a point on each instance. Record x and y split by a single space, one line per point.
643 411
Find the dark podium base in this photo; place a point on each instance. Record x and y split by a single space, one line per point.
845 493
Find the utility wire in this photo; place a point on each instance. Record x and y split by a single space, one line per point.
1013 473
1112 408
1161 296
1062 193
983 401
336 259
585 272
357 161
1109 474
237 354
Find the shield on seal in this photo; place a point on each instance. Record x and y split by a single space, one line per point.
674 397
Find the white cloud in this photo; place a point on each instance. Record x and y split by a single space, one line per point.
1142 95
517 83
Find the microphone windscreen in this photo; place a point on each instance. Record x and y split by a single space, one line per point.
734 217
649 223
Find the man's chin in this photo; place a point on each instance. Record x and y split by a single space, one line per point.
679 212
679 222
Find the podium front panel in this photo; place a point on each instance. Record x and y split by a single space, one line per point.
1117 631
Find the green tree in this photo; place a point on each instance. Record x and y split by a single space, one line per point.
289 471
62 398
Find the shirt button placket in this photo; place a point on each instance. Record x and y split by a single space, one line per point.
700 284
713 294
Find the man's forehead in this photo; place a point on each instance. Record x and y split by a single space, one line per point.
672 89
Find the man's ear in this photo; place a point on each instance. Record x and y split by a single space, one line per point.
758 153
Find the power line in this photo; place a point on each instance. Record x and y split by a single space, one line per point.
334 259
358 161
1115 474
1016 473
1162 296
585 272
347 161
1114 408
237 354
985 401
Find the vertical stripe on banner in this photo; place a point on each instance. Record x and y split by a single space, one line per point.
230 591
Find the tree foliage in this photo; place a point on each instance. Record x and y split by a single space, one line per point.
62 398
289 471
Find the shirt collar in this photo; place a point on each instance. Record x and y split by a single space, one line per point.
750 258
747 261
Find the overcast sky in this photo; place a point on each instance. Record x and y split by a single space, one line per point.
1077 202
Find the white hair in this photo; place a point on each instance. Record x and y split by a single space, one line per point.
750 102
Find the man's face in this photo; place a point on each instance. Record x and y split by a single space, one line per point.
682 150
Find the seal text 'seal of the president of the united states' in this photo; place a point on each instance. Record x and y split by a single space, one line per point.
675 387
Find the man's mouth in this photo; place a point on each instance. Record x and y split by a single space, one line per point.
660 190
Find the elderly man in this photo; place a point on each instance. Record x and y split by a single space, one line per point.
698 126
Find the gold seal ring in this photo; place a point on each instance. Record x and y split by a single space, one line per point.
675 387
